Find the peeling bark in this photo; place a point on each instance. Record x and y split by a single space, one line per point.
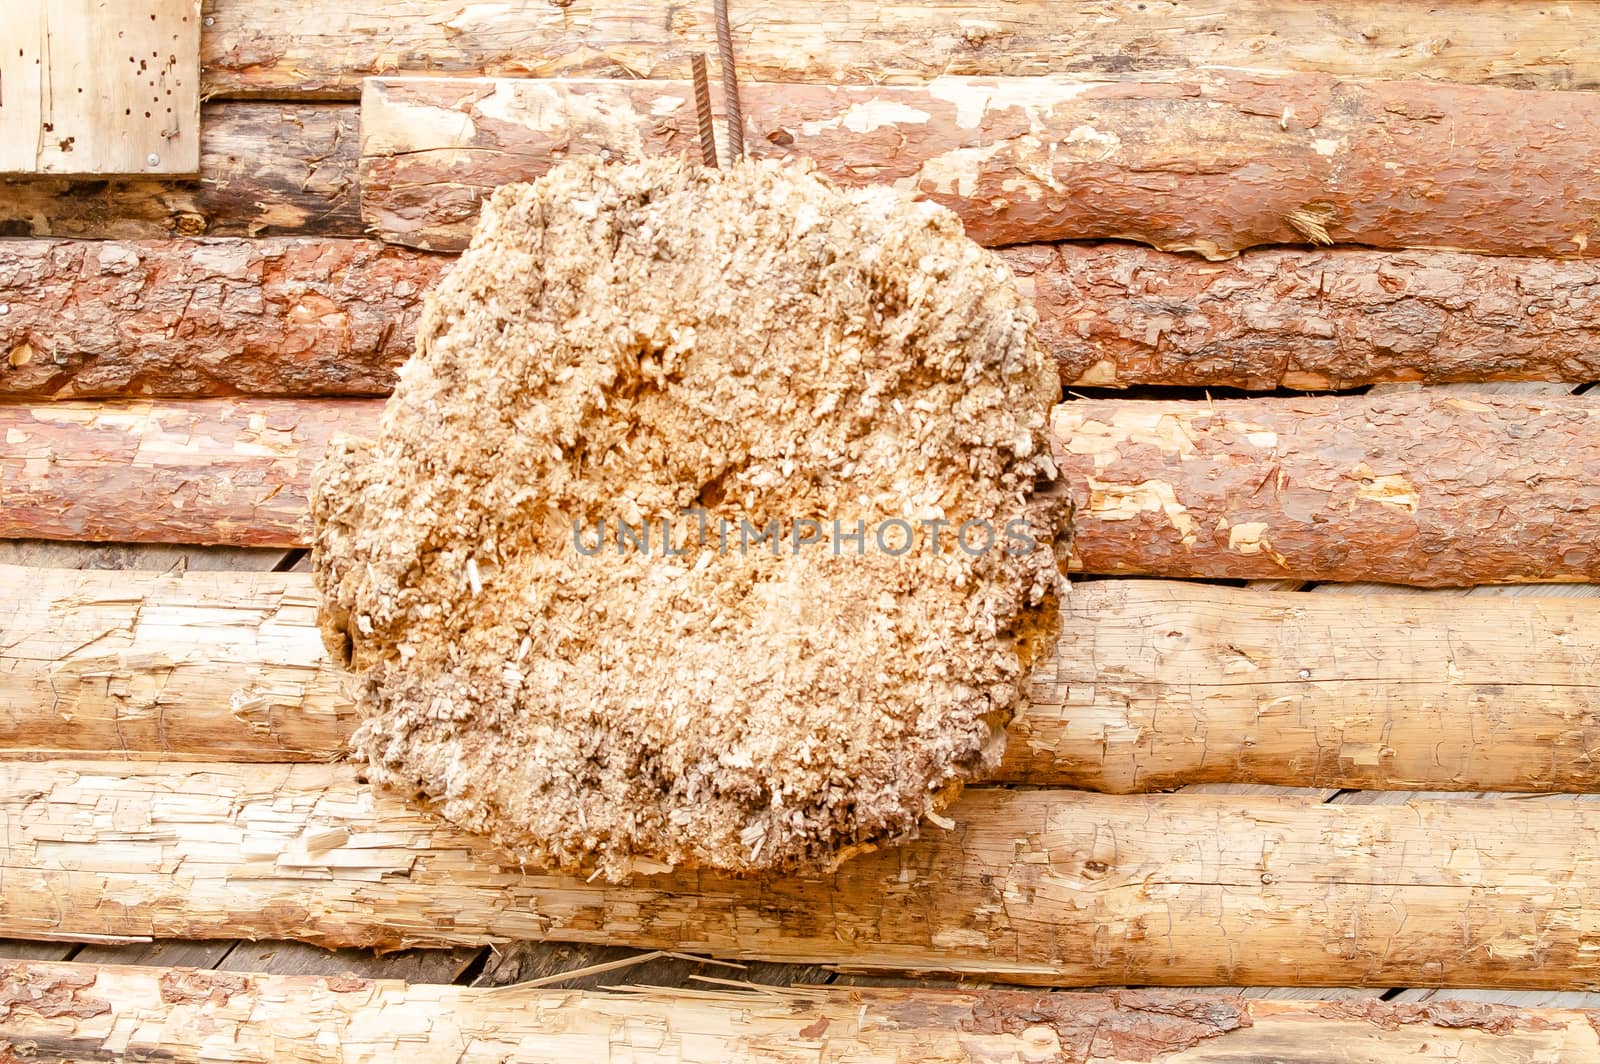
1120 315
1153 685
1043 887
1404 488
265 170
184 1015
299 316
324 47
220 471
1401 488
1210 162
207 317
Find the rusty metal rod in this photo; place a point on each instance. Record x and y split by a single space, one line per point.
702 110
730 84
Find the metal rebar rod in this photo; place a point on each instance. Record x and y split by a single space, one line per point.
730 84
702 110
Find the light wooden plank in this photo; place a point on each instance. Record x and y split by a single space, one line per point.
100 87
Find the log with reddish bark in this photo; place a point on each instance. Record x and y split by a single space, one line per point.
1407 488
60 1011
1401 488
1117 315
275 316
1209 161
265 169
1030 886
300 316
224 471
1153 684
323 48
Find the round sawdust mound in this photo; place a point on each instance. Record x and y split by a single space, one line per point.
626 344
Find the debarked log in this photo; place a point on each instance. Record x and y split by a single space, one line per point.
1153 685
1210 162
1044 887
323 48
71 1012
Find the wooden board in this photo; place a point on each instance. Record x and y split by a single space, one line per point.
292 316
323 48
1409 488
65 1012
1154 684
1045 887
272 316
1209 162
265 169
100 88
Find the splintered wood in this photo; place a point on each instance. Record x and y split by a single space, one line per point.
98 88
1153 684
60 1011
1209 162
1043 887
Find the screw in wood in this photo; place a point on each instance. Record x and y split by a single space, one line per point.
702 110
730 83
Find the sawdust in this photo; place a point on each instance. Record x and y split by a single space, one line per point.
623 343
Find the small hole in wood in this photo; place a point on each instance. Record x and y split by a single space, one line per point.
152 18
147 114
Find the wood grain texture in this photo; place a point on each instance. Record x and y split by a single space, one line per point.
1210 162
307 316
1153 685
1046 887
265 169
1116 315
75 1011
98 88
273 316
324 47
1409 488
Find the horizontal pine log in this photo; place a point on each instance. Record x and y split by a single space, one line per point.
1407 488
1399 488
213 471
66 1011
1210 162
1116 315
303 316
266 169
1044 887
324 47
1154 684
274 316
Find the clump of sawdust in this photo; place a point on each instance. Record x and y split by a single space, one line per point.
624 343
